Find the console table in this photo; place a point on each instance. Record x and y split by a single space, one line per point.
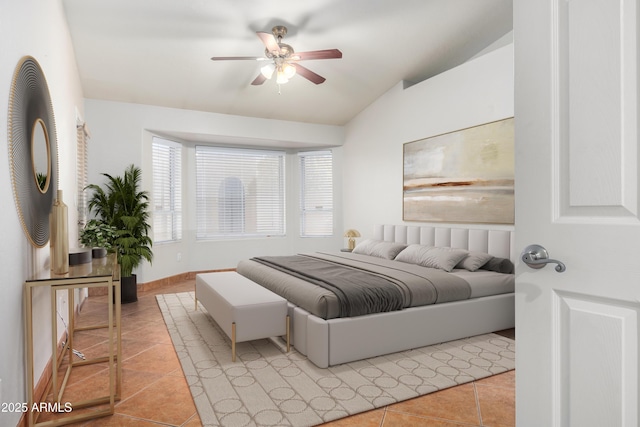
101 272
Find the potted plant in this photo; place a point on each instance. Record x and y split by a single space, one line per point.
122 205
99 236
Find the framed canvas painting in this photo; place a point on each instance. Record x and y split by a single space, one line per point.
465 176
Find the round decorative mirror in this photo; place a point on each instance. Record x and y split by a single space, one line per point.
41 155
32 149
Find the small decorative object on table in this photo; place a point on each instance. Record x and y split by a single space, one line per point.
351 234
59 238
79 256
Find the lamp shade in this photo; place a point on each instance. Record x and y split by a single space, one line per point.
351 233
281 78
268 70
289 70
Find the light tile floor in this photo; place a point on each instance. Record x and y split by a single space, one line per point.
155 392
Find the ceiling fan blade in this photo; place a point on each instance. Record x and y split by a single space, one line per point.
308 74
269 41
238 58
259 80
318 54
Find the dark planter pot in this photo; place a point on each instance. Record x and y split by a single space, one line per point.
99 252
129 287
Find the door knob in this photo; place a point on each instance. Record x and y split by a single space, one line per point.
536 256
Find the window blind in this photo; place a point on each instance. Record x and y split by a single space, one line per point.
239 192
167 190
82 180
316 194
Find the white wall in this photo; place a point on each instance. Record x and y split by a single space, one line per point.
477 92
39 29
122 134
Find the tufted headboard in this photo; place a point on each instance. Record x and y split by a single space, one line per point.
499 243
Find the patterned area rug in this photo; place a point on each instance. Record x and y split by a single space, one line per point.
267 386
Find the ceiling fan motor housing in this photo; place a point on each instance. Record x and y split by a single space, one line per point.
285 51
279 31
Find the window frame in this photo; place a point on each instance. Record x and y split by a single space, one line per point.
173 209
328 203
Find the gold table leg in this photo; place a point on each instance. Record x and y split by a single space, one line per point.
233 342
288 333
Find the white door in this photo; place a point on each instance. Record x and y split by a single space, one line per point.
577 188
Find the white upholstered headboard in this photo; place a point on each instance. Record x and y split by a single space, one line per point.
499 243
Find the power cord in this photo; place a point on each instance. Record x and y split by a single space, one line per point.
78 353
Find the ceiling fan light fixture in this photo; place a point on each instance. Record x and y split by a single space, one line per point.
282 59
281 78
268 70
289 70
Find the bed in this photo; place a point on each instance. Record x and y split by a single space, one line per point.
432 305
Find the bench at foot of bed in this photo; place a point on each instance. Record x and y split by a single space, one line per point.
243 309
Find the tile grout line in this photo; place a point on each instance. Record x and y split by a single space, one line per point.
384 415
150 385
435 418
477 398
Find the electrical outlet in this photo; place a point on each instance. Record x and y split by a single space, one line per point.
179 257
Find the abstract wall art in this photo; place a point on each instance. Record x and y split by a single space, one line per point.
465 176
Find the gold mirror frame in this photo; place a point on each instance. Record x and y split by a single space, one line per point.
29 106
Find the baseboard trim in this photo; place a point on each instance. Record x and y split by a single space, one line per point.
161 283
173 280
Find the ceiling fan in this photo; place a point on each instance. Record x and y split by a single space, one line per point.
283 59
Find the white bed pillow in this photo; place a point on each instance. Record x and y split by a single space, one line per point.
413 254
474 260
365 246
430 256
379 248
500 265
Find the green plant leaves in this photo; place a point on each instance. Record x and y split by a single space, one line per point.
122 205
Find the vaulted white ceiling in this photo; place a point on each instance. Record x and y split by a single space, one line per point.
158 51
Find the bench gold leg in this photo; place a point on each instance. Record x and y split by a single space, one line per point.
233 342
288 334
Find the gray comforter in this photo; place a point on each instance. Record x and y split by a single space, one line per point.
358 291
417 285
